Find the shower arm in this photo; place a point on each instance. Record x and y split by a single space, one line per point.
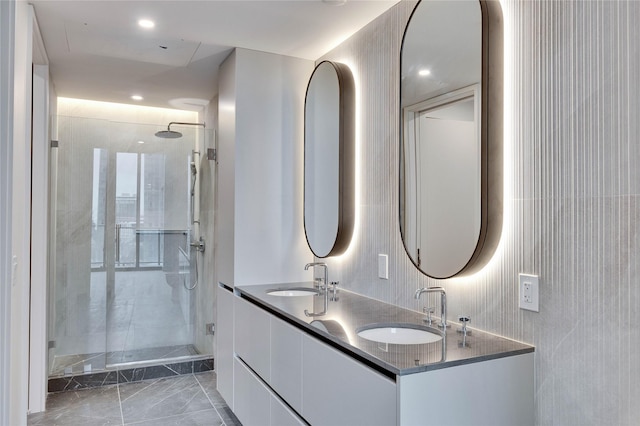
184 124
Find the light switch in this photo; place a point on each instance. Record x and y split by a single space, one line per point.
383 266
528 294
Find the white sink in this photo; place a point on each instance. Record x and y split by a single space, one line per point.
399 334
293 292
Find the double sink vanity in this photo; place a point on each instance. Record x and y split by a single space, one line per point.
368 362
295 354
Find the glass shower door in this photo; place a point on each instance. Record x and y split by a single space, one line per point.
124 272
149 310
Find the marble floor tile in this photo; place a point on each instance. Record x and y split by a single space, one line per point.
97 406
208 381
208 417
190 399
156 399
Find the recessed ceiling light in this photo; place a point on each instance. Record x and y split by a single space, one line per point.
424 72
137 97
140 142
146 23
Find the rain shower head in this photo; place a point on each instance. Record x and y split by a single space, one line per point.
168 134
172 134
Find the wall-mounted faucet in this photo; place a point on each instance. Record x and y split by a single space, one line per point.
443 302
198 245
326 289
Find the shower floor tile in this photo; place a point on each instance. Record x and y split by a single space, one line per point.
189 399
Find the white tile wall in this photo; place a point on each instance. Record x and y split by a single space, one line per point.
572 199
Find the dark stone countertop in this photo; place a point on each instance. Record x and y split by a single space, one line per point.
352 311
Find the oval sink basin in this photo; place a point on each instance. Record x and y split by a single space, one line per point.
399 334
293 292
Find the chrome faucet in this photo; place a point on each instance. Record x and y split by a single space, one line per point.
326 289
443 302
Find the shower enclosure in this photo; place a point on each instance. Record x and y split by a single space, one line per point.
126 288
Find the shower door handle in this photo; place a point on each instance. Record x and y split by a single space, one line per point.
118 226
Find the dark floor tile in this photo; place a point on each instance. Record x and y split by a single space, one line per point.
202 365
157 399
83 381
98 406
185 367
208 417
146 373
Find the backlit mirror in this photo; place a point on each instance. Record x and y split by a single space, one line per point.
329 169
451 136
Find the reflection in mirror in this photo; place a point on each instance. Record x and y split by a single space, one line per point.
451 142
329 169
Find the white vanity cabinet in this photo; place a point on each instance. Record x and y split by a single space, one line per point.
267 367
338 390
224 344
257 404
252 337
278 368
492 392
286 362
285 375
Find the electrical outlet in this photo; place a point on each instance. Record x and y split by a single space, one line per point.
528 294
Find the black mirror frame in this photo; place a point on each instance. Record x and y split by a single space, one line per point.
346 161
491 136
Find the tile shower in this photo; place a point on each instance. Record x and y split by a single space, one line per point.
123 265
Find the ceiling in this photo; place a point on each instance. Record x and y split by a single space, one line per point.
97 50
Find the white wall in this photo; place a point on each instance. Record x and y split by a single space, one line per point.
225 224
21 208
7 16
260 168
572 199
39 241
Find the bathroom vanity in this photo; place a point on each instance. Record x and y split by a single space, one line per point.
289 368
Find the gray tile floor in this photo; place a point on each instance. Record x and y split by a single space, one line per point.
182 400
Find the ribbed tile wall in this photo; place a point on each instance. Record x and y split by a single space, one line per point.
572 199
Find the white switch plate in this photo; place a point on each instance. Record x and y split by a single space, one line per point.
528 294
383 266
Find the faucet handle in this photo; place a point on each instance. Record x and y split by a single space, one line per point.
334 285
428 311
464 320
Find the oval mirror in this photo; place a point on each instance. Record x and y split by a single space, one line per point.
451 136
329 169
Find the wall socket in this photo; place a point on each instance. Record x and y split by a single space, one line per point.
528 294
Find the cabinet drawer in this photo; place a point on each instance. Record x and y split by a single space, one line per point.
252 401
281 415
252 336
256 404
286 362
338 390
